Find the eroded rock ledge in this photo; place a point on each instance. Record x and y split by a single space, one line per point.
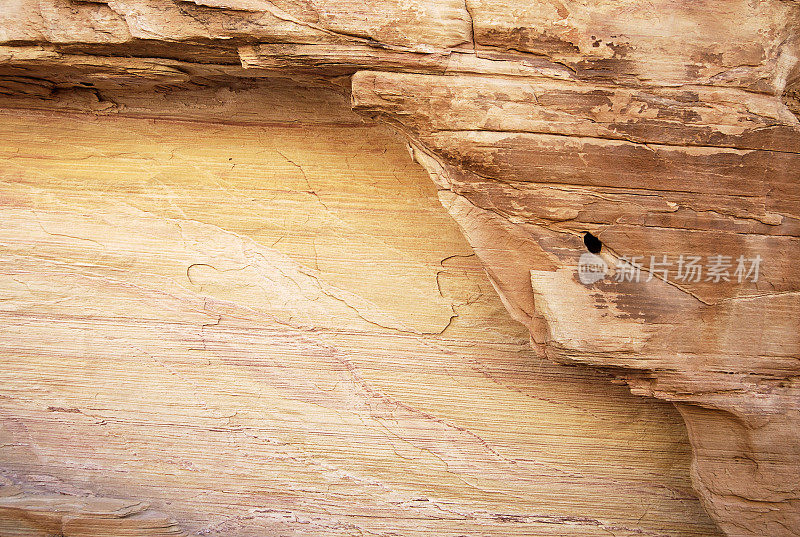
663 129
24 514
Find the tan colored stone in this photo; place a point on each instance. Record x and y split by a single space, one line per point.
662 128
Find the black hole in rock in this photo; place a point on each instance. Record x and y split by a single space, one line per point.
592 243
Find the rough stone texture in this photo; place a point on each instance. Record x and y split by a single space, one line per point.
276 329
663 128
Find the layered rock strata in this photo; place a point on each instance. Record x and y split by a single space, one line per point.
667 131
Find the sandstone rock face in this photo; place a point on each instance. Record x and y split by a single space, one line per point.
274 328
668 131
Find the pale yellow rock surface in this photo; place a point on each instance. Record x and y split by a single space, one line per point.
277 329
663 128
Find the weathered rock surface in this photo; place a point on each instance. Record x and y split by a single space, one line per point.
664 129
275 328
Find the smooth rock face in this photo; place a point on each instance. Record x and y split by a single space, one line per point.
667 130
276 328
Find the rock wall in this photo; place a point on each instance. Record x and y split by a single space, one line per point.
668 131
273 327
